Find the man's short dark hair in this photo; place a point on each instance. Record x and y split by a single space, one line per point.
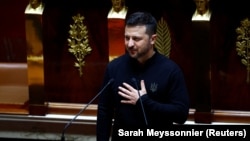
142 18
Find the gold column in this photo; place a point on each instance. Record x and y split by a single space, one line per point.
35 61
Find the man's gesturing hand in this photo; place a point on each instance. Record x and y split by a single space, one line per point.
131 94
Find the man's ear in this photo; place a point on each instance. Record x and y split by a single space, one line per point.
153 38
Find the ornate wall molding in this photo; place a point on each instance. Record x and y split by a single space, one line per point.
163 41
243 44
78 41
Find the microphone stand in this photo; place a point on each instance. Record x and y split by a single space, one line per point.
69 123
144 115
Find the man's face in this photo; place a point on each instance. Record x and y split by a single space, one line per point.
35 3
117 5
138 44
201 6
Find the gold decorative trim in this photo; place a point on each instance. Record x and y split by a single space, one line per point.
243 44
78 41
163 41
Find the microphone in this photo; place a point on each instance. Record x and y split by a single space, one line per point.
144 115
69 123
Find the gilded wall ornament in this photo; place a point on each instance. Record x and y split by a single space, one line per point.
163 41
243 44
78 42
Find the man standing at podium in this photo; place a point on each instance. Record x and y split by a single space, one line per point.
149 90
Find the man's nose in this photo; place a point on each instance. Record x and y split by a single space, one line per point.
130 43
